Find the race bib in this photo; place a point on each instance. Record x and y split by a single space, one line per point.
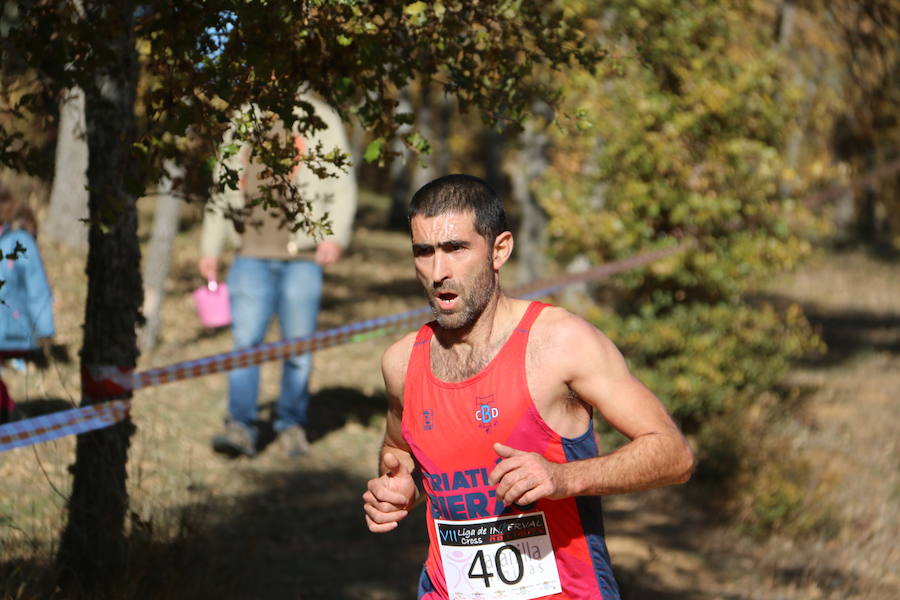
507 557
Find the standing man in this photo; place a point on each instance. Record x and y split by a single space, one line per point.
489 418
277 272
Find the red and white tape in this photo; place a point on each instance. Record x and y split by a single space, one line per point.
102 383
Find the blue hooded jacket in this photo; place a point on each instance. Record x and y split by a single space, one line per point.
26 304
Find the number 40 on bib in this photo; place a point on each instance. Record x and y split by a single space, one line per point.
508 557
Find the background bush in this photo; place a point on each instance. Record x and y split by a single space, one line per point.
684 140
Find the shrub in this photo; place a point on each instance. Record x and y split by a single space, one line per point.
709 360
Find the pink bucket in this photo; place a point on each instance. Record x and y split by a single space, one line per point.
212 304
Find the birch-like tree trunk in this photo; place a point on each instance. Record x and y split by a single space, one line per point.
410 171
493 144
159 254
531 238
399 169
65 221
424 167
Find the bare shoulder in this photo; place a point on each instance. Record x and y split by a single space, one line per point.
562 336
394 362
559 326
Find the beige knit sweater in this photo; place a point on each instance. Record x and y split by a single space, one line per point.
269 238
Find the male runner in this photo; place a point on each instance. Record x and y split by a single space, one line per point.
489 417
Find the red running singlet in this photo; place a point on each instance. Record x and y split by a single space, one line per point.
451 428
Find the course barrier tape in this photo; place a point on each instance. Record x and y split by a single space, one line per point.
106 381
247 357
109 381
60 424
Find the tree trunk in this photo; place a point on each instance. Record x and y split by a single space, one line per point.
442 150
531 237
784 27
68 195
357 148
492 149
866 200
92 553
410 171
399 170
159 254
424 167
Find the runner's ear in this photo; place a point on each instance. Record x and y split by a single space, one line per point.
503 247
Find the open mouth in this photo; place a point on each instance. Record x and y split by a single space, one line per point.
446 300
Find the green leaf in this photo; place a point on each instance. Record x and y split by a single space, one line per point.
373 150
418 143
343 40
415 9
230 150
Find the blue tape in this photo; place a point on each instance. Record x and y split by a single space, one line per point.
61 424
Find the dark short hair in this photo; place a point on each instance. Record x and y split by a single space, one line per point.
461 193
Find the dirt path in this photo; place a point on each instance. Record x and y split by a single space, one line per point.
206 527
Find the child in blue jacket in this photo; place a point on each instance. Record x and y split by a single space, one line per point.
26 303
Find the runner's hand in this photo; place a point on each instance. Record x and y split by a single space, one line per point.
388 498
525 477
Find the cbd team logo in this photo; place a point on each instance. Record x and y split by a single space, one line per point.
427 419
486 414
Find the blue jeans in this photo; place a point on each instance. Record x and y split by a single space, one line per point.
258 289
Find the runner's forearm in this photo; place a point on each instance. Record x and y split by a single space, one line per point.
647 462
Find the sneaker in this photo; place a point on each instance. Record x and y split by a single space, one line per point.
236 439
293 441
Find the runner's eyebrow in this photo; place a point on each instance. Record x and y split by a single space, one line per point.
421 248
453 245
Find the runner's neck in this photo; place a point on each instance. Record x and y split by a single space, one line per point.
494 323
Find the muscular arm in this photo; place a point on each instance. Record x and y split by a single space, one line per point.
393 370
656 454
389 497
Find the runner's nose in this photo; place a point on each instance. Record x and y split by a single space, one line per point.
440 268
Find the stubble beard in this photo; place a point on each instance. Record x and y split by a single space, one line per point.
473 299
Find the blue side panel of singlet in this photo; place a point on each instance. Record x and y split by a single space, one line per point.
591 513
425 585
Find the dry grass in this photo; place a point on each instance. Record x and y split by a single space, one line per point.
171 468
204 526
848 427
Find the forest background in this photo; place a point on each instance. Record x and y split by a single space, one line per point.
760 133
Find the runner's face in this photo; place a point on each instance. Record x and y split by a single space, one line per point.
454 263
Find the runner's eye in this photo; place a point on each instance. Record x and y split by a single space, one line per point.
453 246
